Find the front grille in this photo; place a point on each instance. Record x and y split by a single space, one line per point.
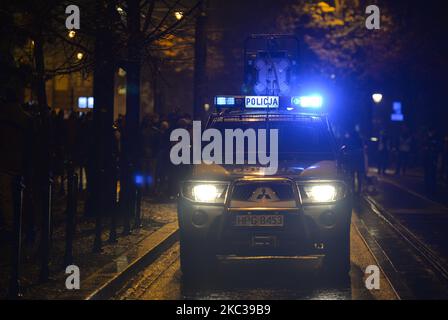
254 194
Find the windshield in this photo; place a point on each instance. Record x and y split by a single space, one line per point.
303 139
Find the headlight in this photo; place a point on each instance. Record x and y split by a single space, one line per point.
205 192
322 192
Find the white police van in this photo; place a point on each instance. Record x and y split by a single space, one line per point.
235 208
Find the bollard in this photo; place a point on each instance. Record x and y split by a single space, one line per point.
97 245
46 232
71 214
14 287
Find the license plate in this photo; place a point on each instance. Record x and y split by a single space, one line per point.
259 221
265 102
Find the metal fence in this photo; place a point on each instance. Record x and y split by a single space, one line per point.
124 204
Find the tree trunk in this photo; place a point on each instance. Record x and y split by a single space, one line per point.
103 118
40 71
200 61
131 141
43 157
133 72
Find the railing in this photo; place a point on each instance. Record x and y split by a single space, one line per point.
127 204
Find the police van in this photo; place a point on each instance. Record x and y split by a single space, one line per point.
236 209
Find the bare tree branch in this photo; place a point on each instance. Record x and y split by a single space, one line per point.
148 16
154 36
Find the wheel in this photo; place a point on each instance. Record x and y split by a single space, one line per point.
195 260
337 257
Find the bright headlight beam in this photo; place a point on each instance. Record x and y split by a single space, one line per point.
322 193
205 193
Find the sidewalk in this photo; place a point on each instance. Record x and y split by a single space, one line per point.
159 221
425 216
413 181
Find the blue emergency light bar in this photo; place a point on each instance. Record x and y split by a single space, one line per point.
229 101
314 102
225 101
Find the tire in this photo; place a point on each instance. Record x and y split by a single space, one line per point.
337 257
195 260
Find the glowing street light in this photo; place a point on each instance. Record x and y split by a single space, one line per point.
71 34
179 15
121 72
120 10
79 55
377 97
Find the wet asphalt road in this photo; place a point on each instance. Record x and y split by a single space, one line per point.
395 228
424 217
286 278
411 229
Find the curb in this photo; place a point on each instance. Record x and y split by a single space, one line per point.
147 250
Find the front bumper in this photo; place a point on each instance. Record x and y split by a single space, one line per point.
305 231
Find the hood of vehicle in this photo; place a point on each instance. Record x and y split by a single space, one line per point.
326 169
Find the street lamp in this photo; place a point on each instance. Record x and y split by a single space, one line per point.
377 98
374 113
79 55
179 15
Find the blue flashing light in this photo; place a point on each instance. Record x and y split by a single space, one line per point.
221 101
314 101
295 101
224 101
139 180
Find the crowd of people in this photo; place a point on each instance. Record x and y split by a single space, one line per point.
160 177
68 136
73 141
424 150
